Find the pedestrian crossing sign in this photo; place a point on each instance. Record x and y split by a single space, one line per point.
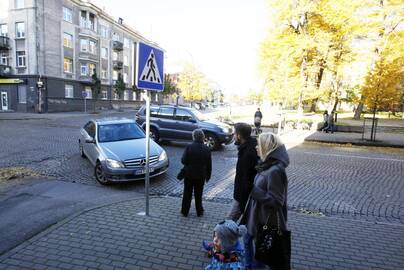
149 68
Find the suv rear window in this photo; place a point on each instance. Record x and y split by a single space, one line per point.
166 112
153 111
183 115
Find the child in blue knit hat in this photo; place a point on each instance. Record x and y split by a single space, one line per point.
226 250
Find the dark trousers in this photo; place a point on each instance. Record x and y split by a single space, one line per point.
192 186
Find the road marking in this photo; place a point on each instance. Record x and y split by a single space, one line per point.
349 156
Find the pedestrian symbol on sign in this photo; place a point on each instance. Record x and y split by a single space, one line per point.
150 71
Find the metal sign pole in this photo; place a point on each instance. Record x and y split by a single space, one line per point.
147 179
85 104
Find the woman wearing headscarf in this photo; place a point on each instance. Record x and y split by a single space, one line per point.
268 199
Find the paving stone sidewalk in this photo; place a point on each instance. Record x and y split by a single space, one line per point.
115 237
383 139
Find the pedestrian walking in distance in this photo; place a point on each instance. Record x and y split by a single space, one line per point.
330 127
325 120
257 121
197 162
245 169
268 201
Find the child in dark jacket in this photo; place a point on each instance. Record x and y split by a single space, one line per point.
226 251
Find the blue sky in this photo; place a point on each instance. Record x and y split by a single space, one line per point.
221 37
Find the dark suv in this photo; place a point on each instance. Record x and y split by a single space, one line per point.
174 123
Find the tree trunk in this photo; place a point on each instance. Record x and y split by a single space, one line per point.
304 86
313 105
334 108
373 130
318 83
358 111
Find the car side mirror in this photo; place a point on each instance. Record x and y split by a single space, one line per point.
90 140
192 120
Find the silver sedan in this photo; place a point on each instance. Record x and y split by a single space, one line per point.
116 149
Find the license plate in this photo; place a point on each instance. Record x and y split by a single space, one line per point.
143 171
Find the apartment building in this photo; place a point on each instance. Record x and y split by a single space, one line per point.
49 50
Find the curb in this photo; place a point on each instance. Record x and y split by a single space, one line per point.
364 143
57 225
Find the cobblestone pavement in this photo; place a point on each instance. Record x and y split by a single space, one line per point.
115 237
352 182
395 139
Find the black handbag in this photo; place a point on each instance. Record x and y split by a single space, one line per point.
273 246
181 174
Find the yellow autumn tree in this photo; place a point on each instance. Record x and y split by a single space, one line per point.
192 83
384 80
308 39
385 22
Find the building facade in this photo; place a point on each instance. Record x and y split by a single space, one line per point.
49 50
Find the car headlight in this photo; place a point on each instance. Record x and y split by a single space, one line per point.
163 156
226 129
111 163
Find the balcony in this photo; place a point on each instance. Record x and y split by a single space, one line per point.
117 46
4 43
5 70
117 65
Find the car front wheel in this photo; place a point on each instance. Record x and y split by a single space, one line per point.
211 141
100 174
154 135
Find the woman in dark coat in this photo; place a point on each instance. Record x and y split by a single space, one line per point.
197 162
269 193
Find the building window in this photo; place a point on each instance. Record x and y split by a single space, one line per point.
92 68
20 29
125 77
69 91
104 53
126 95
67 15
104 95
89 92
103 74
104 31
67 40
84 70
19 3
22 94
92 47
68 65
83 18
21 59
91 22
83 45
3 30
126 43
115 75
114 56
115 37
125 60
4 59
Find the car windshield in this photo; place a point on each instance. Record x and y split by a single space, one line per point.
200 116
119 132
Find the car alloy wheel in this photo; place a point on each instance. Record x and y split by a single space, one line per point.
211 141
99 174
154 135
